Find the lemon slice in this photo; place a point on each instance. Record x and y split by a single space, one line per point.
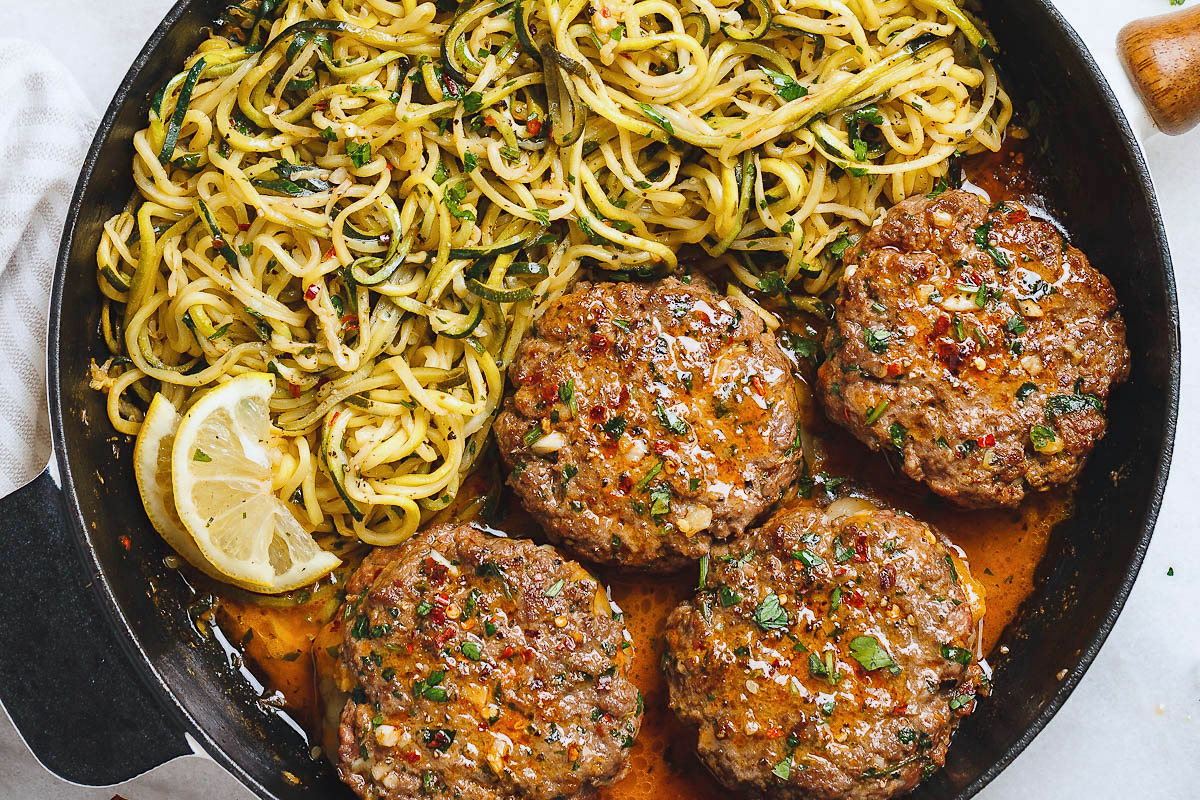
221 479
152 470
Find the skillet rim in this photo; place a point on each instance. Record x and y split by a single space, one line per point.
144 667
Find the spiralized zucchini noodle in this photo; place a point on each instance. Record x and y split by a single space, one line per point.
373 200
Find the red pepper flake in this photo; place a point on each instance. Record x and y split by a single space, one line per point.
757 383
294 390
598 413
312 291
350 321
941 326
853 597
894 369
624 483
986 441
508 651
887 578
408 648
1017 215
952 353
529 377
243 226
598 342
439 741
604 12
489 120
438 615
900 710
533 126
441 598
623 398
125 542
774 732
218 242
328 254
860 548
527 654
321 105
437 576
412 756
549 392
445 635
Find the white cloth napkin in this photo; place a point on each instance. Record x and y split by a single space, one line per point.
45 127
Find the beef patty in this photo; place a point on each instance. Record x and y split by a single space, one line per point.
977 344
481 667
828 655
648 420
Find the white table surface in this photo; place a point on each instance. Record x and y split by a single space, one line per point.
1129 731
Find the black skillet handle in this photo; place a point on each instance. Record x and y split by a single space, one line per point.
64 678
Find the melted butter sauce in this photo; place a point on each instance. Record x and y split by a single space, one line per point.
1003 548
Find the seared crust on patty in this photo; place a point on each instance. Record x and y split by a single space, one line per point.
976 343
828 656
648 420
484 668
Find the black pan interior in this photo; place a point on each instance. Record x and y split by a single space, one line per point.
1099 187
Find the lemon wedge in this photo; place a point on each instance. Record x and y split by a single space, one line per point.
221 480
152 470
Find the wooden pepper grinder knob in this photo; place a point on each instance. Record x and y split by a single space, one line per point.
1162 57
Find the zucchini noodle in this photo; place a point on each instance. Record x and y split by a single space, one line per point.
373 200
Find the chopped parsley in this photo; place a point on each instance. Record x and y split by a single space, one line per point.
670 420
657 117
359 152
615 427
769 615
1061 404
982 241
566 394
867 650
786 87
807 558
1042 438
877 340
956 654
534 435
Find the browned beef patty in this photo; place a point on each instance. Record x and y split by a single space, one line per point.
648 420
978 344
828 655
483 668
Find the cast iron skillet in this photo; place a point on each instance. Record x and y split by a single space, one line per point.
104 672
